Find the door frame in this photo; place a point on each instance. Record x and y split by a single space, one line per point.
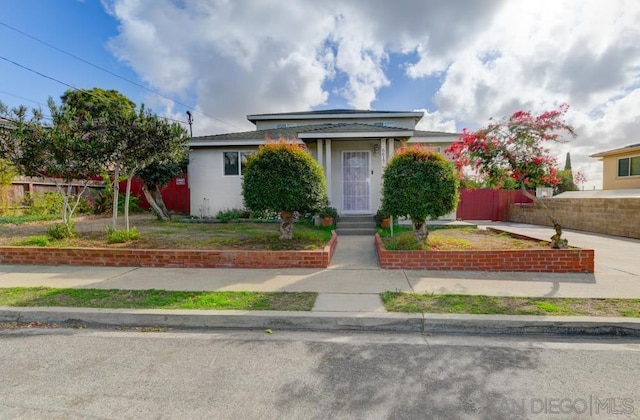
368 210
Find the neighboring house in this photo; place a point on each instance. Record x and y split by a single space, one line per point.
352 146
621 168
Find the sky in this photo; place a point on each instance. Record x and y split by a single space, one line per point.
461 62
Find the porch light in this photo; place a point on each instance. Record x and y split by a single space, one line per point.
376 149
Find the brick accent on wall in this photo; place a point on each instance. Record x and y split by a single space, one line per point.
610 216
541 260
182 258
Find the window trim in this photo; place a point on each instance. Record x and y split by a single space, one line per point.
629 175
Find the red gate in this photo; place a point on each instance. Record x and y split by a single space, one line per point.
488 204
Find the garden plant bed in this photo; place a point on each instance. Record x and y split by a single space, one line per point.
488 251
188 245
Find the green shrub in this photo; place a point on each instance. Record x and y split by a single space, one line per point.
103 202
84 206
230 214
420 184
328 211
43 204
266 215
284 177
117 236
61 231
33 241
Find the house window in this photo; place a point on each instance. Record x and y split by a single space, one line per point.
235 162
629 166
285 125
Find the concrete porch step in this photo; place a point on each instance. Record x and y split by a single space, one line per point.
356 218
356 231
356 225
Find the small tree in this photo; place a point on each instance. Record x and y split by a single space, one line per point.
111 114
283 177
514 147
420 184
65 150
158 174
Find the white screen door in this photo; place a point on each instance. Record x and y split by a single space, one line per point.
355 182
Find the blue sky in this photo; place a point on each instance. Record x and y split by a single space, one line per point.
80 28
461 62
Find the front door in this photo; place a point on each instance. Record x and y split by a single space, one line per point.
355 182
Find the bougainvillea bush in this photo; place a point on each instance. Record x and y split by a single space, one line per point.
516 147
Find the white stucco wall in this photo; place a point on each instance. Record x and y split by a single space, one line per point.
211 190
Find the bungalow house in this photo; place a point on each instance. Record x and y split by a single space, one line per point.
352 146
621 168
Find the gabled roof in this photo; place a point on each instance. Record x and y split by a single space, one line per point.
335 113
314 131
626 149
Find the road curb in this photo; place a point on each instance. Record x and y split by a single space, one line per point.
329 321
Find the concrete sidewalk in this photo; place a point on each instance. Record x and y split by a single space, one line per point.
349 289
354 270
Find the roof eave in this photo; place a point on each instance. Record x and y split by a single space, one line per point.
614 152
311 116
356 135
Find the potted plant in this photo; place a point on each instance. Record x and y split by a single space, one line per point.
328 215
383 219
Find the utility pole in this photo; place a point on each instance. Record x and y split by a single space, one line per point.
190 121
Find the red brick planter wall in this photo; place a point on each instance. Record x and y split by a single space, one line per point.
540 260
184 258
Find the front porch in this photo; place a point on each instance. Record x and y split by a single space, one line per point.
353 168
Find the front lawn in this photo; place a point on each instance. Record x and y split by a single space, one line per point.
92 233
456 239
502 305
156 299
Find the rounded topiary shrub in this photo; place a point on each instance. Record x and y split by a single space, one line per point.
284 177
420 184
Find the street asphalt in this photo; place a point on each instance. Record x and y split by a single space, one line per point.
349 291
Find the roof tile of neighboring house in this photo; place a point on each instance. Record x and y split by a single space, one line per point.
420 133
629 148
5 122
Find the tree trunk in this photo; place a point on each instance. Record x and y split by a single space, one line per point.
155 201
126 201
557 242
286 226
420 231
116 190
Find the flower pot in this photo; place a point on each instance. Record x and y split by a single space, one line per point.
385 223
327 221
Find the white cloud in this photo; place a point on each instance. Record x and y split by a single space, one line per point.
433 121
240 57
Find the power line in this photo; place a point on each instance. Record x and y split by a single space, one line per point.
68 85
22 97
112 73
